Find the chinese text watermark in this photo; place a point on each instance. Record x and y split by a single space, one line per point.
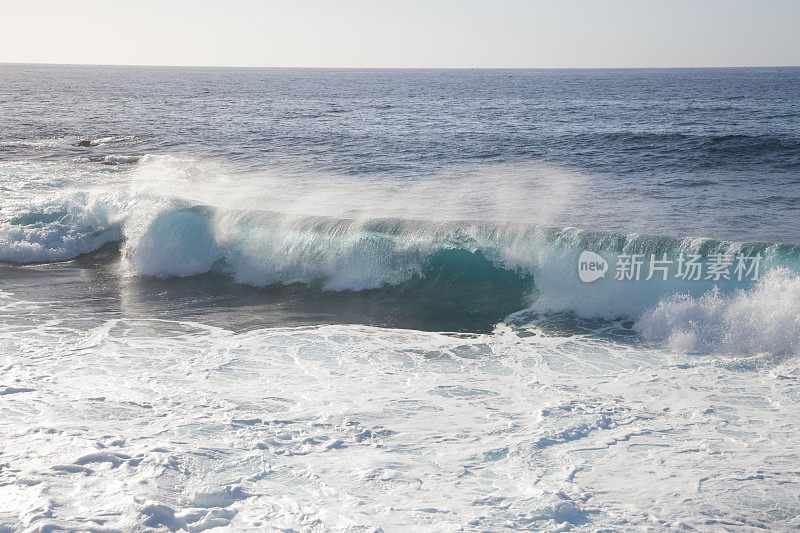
687 266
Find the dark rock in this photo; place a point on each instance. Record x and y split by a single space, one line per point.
84 144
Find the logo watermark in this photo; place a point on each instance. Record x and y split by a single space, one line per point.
591 266
687 266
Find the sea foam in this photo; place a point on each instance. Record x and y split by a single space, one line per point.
62 228
765 318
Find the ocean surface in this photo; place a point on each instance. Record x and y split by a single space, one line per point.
393 300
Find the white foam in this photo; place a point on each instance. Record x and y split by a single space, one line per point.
59 229
765 318
352 428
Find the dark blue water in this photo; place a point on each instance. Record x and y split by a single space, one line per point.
413 121
719 145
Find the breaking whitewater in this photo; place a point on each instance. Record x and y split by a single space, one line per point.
183 348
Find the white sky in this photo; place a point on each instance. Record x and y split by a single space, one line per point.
409 33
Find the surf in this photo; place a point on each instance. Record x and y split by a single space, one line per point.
460 268
172 217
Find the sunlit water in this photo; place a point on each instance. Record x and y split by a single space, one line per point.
349 300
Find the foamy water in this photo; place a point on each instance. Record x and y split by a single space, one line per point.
193 427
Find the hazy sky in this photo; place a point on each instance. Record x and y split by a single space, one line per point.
408 33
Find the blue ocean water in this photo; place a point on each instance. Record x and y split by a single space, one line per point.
719 146
320 299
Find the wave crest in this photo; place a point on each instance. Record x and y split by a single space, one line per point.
61 229
765 318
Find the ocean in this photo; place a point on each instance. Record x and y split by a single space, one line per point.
393 300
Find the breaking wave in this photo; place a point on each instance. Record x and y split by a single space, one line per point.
455 266
60 229
765 318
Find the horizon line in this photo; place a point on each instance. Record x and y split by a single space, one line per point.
671 67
